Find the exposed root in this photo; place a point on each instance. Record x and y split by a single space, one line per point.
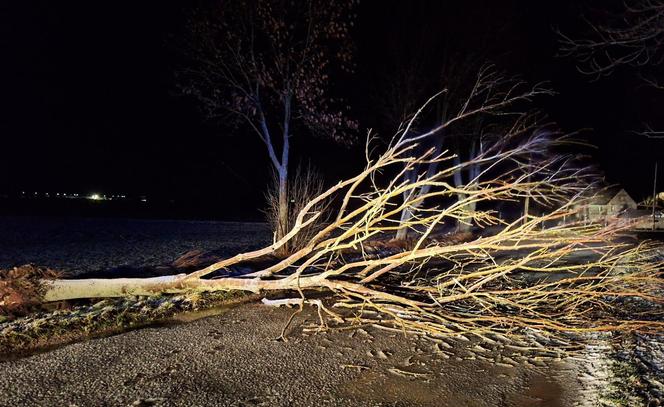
22 288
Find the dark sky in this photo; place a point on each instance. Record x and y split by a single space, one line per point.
87 99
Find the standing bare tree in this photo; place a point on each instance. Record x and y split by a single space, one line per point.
267 64
429 58
459 120
474 145
430 62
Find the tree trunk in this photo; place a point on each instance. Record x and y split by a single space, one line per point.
526 209
458 182
281 167
283 174
470 207
411 176
526 201
474 172
60 290
406 215
282 228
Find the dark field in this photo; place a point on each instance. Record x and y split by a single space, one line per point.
80 245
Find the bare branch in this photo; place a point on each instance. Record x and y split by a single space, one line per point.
632 38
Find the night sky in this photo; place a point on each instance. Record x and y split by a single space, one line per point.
88 100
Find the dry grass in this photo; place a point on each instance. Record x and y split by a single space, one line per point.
306 184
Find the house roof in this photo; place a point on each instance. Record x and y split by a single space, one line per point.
604 196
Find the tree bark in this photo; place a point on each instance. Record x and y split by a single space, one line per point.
283 202
280 166
283 173
458 182
406 215
60 290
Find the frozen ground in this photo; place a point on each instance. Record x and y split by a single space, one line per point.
79 245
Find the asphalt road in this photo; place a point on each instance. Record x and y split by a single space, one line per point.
234 360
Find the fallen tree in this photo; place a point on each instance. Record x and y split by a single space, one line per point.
530 270
534 272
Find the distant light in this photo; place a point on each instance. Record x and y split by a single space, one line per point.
95 197
143 200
